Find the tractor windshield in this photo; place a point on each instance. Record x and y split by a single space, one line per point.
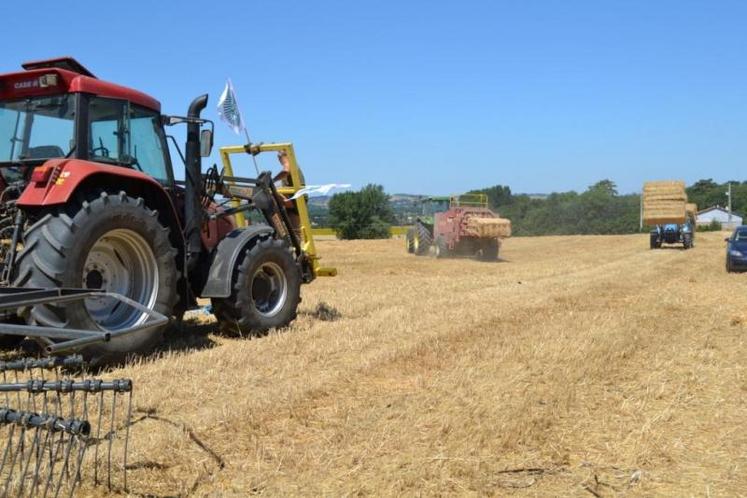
36 128
434 205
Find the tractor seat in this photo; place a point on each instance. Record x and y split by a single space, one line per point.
44 152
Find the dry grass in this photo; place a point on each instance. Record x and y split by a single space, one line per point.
578 366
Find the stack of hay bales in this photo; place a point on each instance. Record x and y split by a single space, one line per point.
489 227
664 202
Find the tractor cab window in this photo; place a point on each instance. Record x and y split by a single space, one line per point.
35 129
435 205
149 143
129 135
108 136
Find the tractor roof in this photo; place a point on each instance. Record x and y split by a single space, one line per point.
65 75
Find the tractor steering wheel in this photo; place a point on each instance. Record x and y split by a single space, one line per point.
104 150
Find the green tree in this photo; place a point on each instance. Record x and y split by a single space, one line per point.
365 214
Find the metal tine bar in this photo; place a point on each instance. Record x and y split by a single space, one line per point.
50 363
68 386
44 421
15 297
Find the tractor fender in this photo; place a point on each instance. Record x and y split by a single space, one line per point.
226 255
69 176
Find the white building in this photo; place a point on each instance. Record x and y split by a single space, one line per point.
706 216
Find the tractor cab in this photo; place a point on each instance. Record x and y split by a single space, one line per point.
432 205
57 109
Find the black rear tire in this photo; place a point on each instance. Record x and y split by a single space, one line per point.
489 250
113 242
265 293
442 249
423 239
654 241
687 240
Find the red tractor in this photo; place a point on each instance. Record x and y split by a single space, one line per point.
102 246
458 226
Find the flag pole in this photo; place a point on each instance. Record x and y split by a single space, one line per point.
249 143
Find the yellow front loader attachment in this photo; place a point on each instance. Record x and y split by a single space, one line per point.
307 239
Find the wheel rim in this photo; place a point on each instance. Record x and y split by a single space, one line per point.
269 289
121 262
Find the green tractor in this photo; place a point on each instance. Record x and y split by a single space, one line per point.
460 225
419 237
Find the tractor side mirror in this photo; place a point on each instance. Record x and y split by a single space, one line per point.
206 142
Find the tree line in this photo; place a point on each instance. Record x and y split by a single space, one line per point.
600 209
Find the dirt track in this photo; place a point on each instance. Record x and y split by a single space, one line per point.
579 366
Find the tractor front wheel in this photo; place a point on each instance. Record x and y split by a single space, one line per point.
410 240
265 293
112 242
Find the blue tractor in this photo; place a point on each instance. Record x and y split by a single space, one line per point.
673 233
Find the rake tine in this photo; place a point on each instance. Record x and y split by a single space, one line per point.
98 436
19 449
34 446
65 470
35 460
111 440
18 395
52 462
127 437
83 442
7 396
39 463
8 446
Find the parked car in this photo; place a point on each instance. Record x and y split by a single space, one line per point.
736 250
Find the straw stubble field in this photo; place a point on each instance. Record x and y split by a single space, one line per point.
586 366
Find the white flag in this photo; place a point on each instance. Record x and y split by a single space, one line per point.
228 109
319 190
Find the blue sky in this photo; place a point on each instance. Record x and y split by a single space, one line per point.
435 97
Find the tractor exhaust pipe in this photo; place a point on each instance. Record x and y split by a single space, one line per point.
193 173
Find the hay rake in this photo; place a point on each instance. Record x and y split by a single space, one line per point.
57 431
